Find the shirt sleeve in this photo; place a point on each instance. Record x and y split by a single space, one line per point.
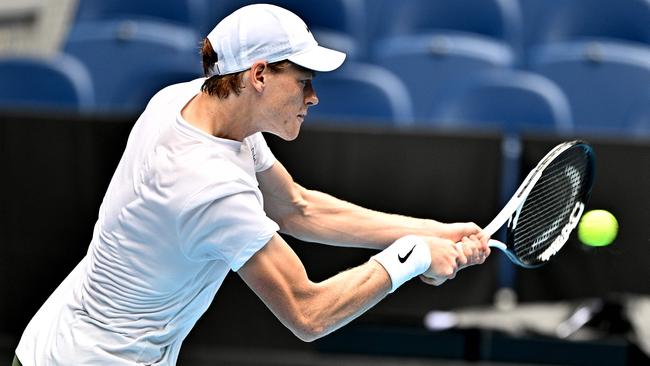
262 155
224 222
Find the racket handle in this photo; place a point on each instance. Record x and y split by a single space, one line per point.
497 244
504 249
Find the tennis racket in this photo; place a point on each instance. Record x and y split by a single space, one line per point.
547 206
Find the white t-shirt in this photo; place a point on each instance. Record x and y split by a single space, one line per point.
182 210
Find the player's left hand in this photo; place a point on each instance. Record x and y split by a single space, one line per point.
458 230
473 249
468 233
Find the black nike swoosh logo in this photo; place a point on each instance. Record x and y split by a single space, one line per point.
404 258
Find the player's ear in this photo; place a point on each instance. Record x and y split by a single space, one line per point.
257 75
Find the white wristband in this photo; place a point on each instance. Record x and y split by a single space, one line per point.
406 258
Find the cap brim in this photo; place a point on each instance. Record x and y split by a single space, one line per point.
319 59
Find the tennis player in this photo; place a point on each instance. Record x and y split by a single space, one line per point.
198 194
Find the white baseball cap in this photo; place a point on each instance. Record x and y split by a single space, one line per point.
270 33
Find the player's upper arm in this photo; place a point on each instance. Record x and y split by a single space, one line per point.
278 277
283 197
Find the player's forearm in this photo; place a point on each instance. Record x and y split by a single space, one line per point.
326 219
312 309
347 295
344 297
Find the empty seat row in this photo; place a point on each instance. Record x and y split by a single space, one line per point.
573 87
61 82
357 25
433 78
569 92
131 61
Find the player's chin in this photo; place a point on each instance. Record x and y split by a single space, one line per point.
292 135
288 134
294 131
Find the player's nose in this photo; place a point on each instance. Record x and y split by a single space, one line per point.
311 99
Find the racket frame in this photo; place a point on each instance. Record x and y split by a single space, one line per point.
510 212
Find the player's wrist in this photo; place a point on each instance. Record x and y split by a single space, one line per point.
406 258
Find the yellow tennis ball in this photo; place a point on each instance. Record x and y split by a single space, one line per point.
597 228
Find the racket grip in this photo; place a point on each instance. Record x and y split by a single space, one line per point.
497 244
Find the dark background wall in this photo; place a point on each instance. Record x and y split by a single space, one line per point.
55 170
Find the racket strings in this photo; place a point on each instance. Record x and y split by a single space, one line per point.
548 213
555 201
535 242
556 191
550 205
552 219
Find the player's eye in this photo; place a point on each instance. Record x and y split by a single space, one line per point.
306 83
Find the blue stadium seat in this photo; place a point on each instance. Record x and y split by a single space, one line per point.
429 65
572 20
637 120
61 82
130 61
190 13
498 19
510 101
335 23
359 93
603 81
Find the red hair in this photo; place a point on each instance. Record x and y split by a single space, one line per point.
223 85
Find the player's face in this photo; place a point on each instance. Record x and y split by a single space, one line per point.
290 94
